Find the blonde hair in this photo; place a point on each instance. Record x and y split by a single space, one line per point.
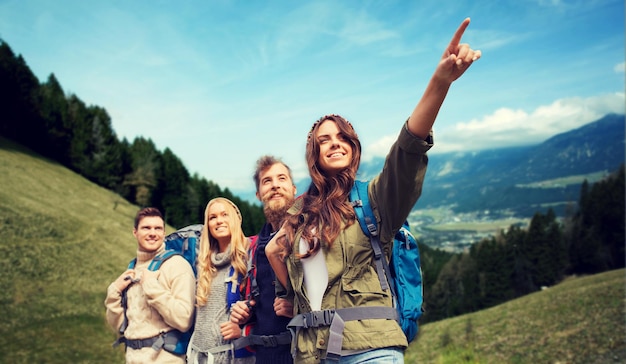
209 245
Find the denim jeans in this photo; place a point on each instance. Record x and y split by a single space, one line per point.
376 356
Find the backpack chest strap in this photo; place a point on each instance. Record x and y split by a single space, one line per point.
336 320
268 341
166 340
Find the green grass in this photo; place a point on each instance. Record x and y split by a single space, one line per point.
480 226
578 321
487 226
65 239
566 181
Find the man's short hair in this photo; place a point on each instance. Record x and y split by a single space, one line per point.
264 163
145 212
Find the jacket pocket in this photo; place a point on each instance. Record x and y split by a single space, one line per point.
360 286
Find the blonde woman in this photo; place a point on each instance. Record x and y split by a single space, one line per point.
222 263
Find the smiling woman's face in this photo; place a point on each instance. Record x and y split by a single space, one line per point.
335 150
219 222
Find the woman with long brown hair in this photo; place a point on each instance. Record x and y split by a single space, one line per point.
321 255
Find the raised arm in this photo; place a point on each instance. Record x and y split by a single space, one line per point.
456 59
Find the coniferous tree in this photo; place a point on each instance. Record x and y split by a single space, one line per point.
544 247
440 303
522 281
596 232
80 145
126 161
495 271
197 200
432 261
174 189
578 254
607 217
105 163
447 295
206 191
63 128
57 133
19 108
251 222
557 252
469 284
142 179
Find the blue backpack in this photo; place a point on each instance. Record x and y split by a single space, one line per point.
186 241
403 273
183 242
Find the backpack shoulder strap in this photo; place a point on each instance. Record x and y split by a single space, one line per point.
124 302
250 288
156 262
361 203
232 287
367 220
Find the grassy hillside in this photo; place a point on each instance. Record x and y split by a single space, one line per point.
65 239
578 321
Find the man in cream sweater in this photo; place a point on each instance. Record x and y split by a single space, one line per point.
158 301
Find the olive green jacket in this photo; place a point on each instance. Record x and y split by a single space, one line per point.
352 277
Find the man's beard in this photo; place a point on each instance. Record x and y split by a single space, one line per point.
276 210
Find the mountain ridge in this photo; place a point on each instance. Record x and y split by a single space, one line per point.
495 178
498 179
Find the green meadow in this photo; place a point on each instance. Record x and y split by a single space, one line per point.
64 239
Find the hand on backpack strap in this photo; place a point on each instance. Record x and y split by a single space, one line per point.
124 280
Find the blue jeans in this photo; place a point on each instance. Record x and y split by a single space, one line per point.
376 356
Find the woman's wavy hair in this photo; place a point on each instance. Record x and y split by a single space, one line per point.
209 245
325 205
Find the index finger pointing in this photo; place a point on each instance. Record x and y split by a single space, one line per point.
456 39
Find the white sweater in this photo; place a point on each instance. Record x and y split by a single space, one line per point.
154 306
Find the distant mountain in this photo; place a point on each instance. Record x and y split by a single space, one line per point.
503 178
521 180
591 148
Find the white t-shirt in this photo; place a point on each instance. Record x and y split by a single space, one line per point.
315 275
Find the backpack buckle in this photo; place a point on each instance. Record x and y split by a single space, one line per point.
317 318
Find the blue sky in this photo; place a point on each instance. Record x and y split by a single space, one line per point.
221 83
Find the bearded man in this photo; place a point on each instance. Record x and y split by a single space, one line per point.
270 314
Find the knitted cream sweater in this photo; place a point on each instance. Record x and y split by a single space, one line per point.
154 306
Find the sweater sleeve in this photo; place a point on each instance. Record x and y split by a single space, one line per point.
114 310
173 293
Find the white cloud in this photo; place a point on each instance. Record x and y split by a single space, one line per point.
378 148
509 127
620 67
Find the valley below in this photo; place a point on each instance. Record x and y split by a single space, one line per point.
444 228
